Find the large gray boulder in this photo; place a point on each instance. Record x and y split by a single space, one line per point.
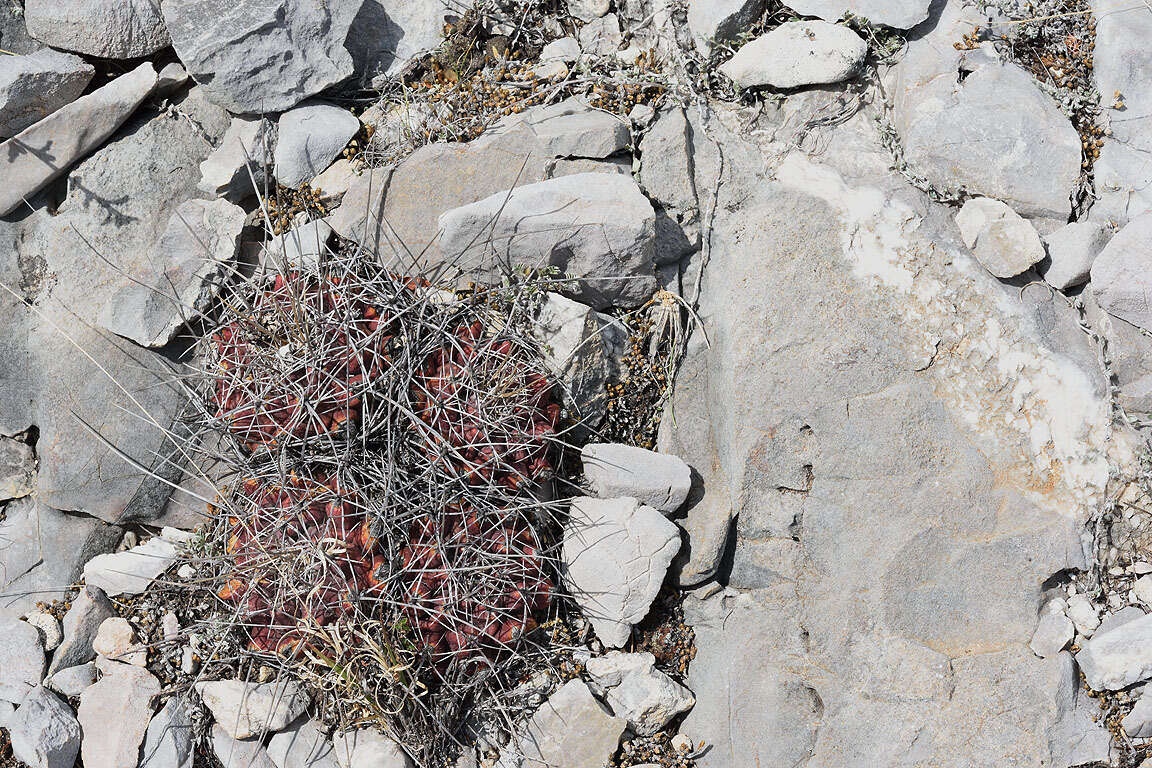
968 122
110 29
796 54
48 148
255 58
34 86
901 14
596 227
1120 276
882 478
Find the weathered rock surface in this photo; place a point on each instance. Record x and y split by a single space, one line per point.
116 641
21 659
17 469
110 29
1118 658
114 714
48 627
366 748
656 479
1120 275
1138 722
72 681
1130 349
1054 633
48 148
571 730
90 608
251 709
597 227
888 488
14 32
191 261
236 753
968 121
34 86
301 246
310 137
43 554
798 53
130 572
168 740
615 555
387 35
237 168
1002 241
901 14
677 161
1071 251
301 745
254 58
582 348
634 689
712 21
587 10
44 732
601 37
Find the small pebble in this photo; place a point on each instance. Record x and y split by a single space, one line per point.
170 626
49 627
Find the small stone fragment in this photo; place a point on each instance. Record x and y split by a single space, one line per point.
1138 722
1053 633
635 690
1083 615
657 479
48 627
81 623
1121 280
237 169
601 37
720 21
1119 657
17 469
1071 251
1005 243
130 572
114 715
72 681
571 730
116 641
251 709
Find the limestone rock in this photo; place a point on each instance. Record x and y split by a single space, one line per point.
116 641
1138 722
237 168
1005 243
1130 349
1071 251
635 690
387 35
34 86
21 659
168 741
14 32
114 714
301 745
367 748
615 554
110 29
43 554
655 479
596 227
333 183
1120 277
1118 658
712 21
311 135
571 730
587 10
582 349
47 627
1119 618
251 709
796 54
193 258
90 608
601 37
73 681
17 469
301 246
1054 632
236 753
130 572
44 732
901 14
170 78
48 148
254 58
668 175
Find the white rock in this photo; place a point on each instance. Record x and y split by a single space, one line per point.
1083 615
571 730
130 572
657 479
236 753
21 659
1003 241
635 690
110 29
1121 281
367 748
116 641
114 715
237 168
587 10
1053 633
901 14
615 554
1143 589
565 49
1140 567
712 21
333 182
250 709
310 137
601 37
1071 251
301 745
798 53
44 732
34 86
1138 722
1118 658
170 625
49 628
81 623
72 681
48 148
301 246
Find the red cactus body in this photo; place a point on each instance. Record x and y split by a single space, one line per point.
267 392
491 408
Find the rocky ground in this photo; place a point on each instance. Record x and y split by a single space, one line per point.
603 383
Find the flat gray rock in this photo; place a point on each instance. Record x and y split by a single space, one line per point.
44 732
368 748
168 742
614 557
34 86
796 54
713 21
131 571
1118 658
634 689
1138 722
114 714
90 608
1120 276
388 34
302 745
656 479
597 227
251 709
1002 241
192 259
301 246
238 168
237 753
254 58
1054 632
110 29
73 681
1071 251
21 659
311 136
17 469
900 14
48 148
571 730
